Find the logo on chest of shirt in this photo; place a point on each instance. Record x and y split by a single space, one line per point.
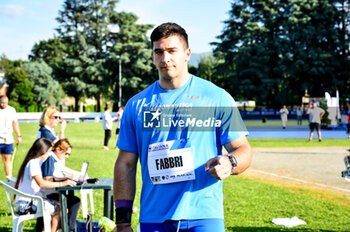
179 117
151 118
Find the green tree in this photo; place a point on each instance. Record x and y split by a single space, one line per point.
249 50
22 95
206 67
52 52
90 63
274 50
325 121
46 89
132 46
19 87
313 49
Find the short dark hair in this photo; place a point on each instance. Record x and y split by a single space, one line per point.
168 29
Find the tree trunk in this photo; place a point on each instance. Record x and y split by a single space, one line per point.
98 99
76 107
116 97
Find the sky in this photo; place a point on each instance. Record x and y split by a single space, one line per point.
25 22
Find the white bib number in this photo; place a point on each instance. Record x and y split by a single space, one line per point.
170 162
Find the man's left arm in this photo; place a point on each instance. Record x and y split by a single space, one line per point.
322 113
15 126
221 167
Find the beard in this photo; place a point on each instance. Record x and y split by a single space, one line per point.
166 76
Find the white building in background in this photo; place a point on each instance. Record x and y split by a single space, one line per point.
333 108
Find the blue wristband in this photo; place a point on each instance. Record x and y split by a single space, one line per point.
123 204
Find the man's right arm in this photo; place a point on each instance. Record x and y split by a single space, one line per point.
124 186
15 127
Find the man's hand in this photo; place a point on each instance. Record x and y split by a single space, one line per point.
123 227
19 140
219 167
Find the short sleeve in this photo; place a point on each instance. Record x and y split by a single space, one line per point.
232 126
127 140
48 167
14 115
34 168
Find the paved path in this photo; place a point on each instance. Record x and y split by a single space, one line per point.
319 167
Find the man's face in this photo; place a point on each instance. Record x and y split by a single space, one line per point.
170 55
4 102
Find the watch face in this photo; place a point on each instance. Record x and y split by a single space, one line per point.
233 161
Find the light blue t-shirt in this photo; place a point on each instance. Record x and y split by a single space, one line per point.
214 120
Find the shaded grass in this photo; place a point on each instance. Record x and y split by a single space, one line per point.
279 143
249 204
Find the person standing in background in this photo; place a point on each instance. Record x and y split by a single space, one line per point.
8 124
118 118
48 121
315 115
299 116
107 121
284 116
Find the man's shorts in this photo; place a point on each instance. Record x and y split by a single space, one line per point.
201 225
117 131
6 149
315 125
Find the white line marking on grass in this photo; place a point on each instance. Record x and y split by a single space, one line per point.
300 180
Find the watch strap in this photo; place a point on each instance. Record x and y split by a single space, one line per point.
233 161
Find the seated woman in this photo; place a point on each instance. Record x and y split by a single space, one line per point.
48 121
29 180
53 169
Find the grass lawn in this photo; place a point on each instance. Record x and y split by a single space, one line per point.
249 204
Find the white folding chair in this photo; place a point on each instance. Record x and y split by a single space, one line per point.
11 179
18 219
84 193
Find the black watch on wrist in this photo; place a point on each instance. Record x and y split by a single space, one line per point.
233 161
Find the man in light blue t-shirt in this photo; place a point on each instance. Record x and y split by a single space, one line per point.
176 128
